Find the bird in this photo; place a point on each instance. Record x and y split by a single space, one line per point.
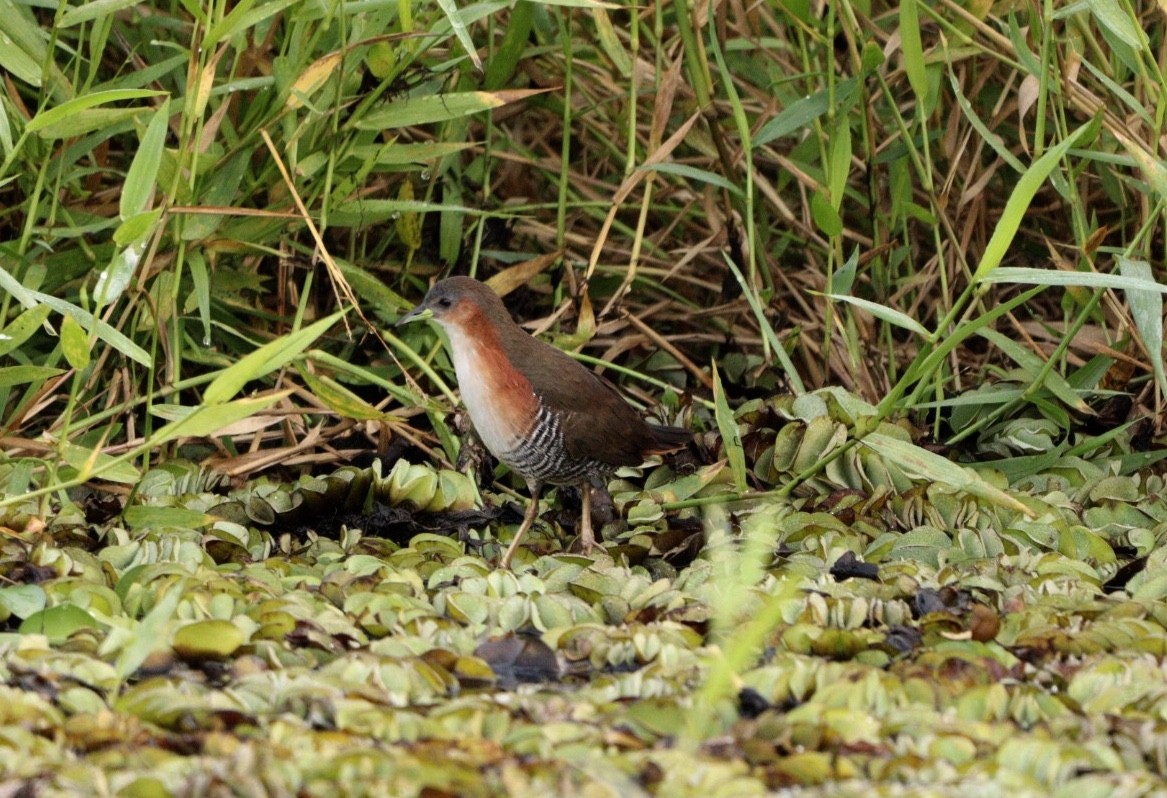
535 408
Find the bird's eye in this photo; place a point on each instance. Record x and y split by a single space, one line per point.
445 302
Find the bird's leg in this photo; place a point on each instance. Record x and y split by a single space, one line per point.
587 538
528 521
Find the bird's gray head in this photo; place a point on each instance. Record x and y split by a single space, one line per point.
457 301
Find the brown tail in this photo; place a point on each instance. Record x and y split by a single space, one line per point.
667 439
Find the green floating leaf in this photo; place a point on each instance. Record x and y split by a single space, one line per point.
211 639
22 600
150 634
59 622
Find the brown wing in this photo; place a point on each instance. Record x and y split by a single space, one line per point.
597 423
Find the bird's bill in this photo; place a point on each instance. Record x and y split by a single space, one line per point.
420 313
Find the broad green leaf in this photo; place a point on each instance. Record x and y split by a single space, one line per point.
840 160
19 375
6 142
202 291
92 463
18 62
509 51
825 216
136 228
143 171
731 437
1113 17
408 223
72 108
22 327
1018 204
22 600
913 49
398 153
441 107
266 359
371 211
579 4
74 343
801 113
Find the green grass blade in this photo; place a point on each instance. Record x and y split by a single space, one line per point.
731 437
441 108
1147 312
143 171
1019 201
265 360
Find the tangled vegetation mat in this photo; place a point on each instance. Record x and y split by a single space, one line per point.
874 631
